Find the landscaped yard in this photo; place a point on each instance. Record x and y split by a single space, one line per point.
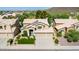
72 36
25 39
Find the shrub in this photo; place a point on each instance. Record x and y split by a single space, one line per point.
25 33
75 40
10 41
65 36
59 34
72 36
53 38
26 40
56 41
69 40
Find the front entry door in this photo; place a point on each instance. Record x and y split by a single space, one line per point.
30 32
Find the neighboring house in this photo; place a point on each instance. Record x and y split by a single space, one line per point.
13 15
66 24
9 14
31 25
9 28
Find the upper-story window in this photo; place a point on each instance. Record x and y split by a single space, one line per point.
0 27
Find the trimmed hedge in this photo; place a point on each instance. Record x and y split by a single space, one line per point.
26 40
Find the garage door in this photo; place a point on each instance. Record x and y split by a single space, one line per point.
44 40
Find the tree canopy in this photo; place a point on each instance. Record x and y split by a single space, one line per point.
41 14
51 21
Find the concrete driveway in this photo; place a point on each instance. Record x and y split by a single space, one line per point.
3 42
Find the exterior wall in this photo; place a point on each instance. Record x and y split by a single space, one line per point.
6 36
36 27
44 40
27 29
10 35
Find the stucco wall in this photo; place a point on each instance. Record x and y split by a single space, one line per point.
7 36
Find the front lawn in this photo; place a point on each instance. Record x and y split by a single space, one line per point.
72 36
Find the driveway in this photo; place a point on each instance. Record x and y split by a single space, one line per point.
3 43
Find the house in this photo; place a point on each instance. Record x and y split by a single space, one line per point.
9 28
31 25
40 28
43 33
66 24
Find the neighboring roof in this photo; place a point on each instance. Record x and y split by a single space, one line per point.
34 20
66 22
47 30
8 21
29 20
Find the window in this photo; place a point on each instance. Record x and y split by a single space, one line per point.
30 32
39 27
35 28
5 27
44 26
0 27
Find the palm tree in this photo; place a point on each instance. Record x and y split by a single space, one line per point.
51 21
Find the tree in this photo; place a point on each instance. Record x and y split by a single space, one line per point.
1 12
21 18
51 21
26 15
44 14
78 17
41 14
63 16
38 14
